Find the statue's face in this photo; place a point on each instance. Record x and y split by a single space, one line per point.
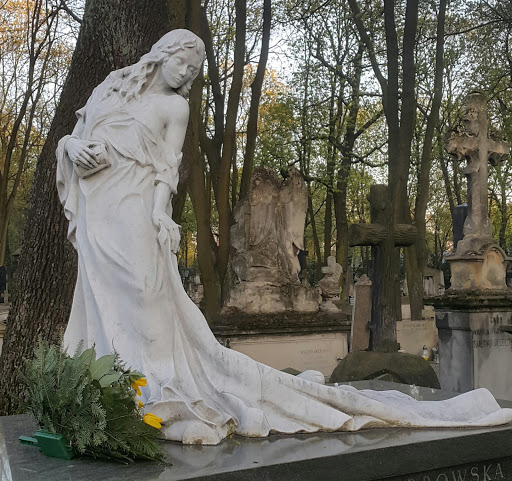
182 67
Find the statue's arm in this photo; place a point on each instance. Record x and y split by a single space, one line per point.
79 150
174 136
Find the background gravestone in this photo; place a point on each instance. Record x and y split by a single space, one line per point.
473 351
361 315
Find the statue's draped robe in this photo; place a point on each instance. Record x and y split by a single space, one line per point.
129 297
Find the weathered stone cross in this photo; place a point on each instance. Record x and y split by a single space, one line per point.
384 237
472 143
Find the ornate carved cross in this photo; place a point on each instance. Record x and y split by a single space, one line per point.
384 237
472 142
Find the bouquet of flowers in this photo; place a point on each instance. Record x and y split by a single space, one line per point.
90 403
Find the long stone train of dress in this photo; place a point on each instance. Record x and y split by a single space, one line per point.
129 296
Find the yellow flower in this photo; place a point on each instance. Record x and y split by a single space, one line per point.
139 382
152 420
139 404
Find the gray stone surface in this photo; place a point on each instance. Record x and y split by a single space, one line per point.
397 454
474 352
361 315
393 366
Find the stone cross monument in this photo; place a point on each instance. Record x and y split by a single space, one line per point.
384 237
478 262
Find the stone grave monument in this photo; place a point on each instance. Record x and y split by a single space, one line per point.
267 237
269 314
361 315
383 236
474 352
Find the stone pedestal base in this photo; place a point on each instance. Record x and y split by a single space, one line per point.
319 352
473 351
480 269
300 341
258 297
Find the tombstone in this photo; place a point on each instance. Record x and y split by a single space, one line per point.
361 315
329 286
433 282
473 351
427 454
384 237
271 313
267 237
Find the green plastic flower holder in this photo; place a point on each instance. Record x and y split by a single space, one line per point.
54 445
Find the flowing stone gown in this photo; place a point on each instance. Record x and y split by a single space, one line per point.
129 297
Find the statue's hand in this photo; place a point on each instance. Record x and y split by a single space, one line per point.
80 152
167 229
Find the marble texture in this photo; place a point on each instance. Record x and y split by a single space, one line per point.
129 294
303 457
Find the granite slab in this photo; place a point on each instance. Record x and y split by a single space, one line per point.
392 454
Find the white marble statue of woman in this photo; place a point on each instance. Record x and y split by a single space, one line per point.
116 175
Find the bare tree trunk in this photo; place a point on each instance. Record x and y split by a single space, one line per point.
114 33
416 256
316 242
331 163
256 86
400 121
200 196
200 186
228 146
347 153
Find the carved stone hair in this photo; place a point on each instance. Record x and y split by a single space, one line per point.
128 82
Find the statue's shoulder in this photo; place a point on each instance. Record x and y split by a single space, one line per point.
177 106
178 102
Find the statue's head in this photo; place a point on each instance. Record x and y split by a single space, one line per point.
179 54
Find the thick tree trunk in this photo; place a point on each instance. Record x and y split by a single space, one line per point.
200 184
114 33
